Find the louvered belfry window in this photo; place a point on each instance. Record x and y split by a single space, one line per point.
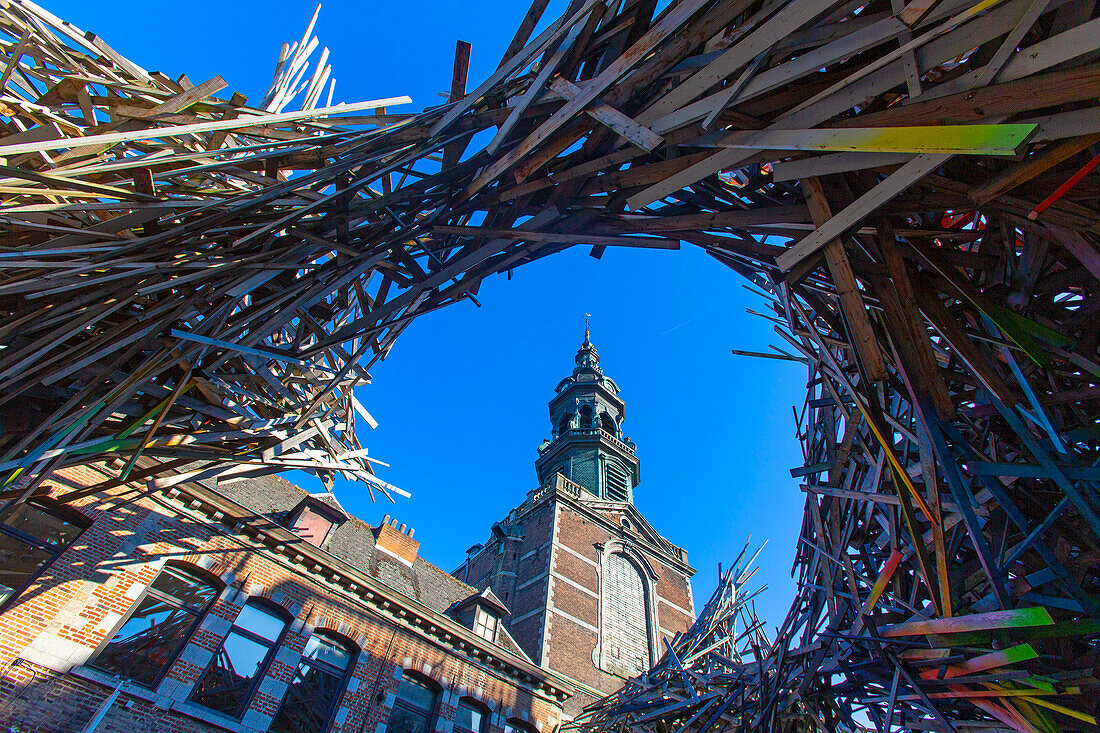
618 488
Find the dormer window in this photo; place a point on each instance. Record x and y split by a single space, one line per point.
485 624
481 613
314 518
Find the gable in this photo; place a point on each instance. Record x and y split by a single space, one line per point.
626 517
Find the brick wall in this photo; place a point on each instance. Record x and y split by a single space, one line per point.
553 583
53 629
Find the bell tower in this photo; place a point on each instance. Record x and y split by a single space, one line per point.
587 445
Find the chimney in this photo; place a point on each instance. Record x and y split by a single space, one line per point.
395 542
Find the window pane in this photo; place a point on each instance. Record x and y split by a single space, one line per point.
19 562
468 717
227 683
43 526
484 624
406 720
417 694
260 622
626 631
327 650
309 701
184 587
148 642
518 726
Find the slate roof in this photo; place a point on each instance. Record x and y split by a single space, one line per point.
273 498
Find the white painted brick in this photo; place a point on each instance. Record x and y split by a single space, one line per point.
273 687
109 620
256 720
288 656
216 624
196 655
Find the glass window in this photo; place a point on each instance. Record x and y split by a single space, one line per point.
145 646
31 536
228 682
515 725
312 696
625 626
472 716
485 624
414 707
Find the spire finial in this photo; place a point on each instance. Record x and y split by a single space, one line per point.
586 355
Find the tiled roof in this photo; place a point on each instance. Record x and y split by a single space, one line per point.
352 541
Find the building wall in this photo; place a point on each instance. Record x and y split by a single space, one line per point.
555 577
55 626
516 568
575 599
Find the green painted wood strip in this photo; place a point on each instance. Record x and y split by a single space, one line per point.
1005 140
1019 617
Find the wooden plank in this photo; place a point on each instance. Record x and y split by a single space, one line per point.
1010 619
523 32
790 18
529 236
1005 140
862 207
638 134
453 151
676 17
152 134
848 291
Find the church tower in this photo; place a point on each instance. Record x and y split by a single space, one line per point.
587 445
591 589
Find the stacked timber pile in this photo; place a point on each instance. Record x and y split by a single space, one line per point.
144 309
912 185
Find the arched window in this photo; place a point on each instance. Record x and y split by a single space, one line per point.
626 623
315 691
472 716
608 423
515 725
414 707
144 647
32 534
229 681
565 424
586 416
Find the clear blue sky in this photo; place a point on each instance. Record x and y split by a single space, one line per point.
462 399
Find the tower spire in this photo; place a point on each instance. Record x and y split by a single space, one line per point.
587 357
586 444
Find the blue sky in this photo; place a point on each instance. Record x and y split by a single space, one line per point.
462 399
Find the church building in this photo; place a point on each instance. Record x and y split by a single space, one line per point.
592 588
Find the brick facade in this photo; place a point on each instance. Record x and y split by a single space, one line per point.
393 609
548 560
